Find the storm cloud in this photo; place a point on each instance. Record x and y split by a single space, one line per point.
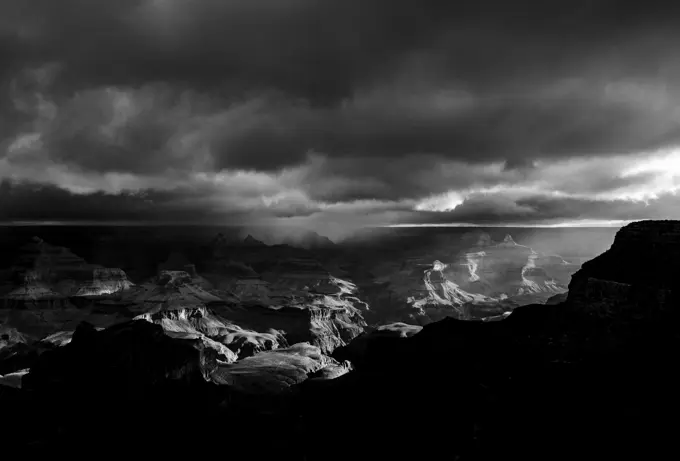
370 111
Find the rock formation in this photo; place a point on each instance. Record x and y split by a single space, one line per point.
510 270
598 362
142 354
590 377
634 282
105 281
170 289
13 379
48 275
9 336
229 340
32 292
275 371
325 327
251 241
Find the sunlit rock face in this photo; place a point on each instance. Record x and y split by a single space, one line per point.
45 273
331 371
61 338
181 308
323 326
278 371
332 304
443 291
634 282
13 379
305 280
230 340
430 295
9 336
300 297
509 270
105 281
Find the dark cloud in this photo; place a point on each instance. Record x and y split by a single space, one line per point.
26 201
387 100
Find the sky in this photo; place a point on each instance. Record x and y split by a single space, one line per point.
338 114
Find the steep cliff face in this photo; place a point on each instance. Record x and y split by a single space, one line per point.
634 283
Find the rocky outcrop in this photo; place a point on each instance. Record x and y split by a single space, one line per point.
251 241
375 343
441 291
633 284
229 340
22 356
275 371
13 379
9 336
102 376
46 276
170 289
325 327
105 281
510 270
142 356
557 299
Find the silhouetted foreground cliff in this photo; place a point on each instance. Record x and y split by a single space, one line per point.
593 377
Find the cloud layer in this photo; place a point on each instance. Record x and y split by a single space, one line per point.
339 112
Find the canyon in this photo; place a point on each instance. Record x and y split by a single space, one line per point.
309 353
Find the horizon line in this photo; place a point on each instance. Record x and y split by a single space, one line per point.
571 224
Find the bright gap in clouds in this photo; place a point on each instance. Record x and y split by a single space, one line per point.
445 202
577 223
618 178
